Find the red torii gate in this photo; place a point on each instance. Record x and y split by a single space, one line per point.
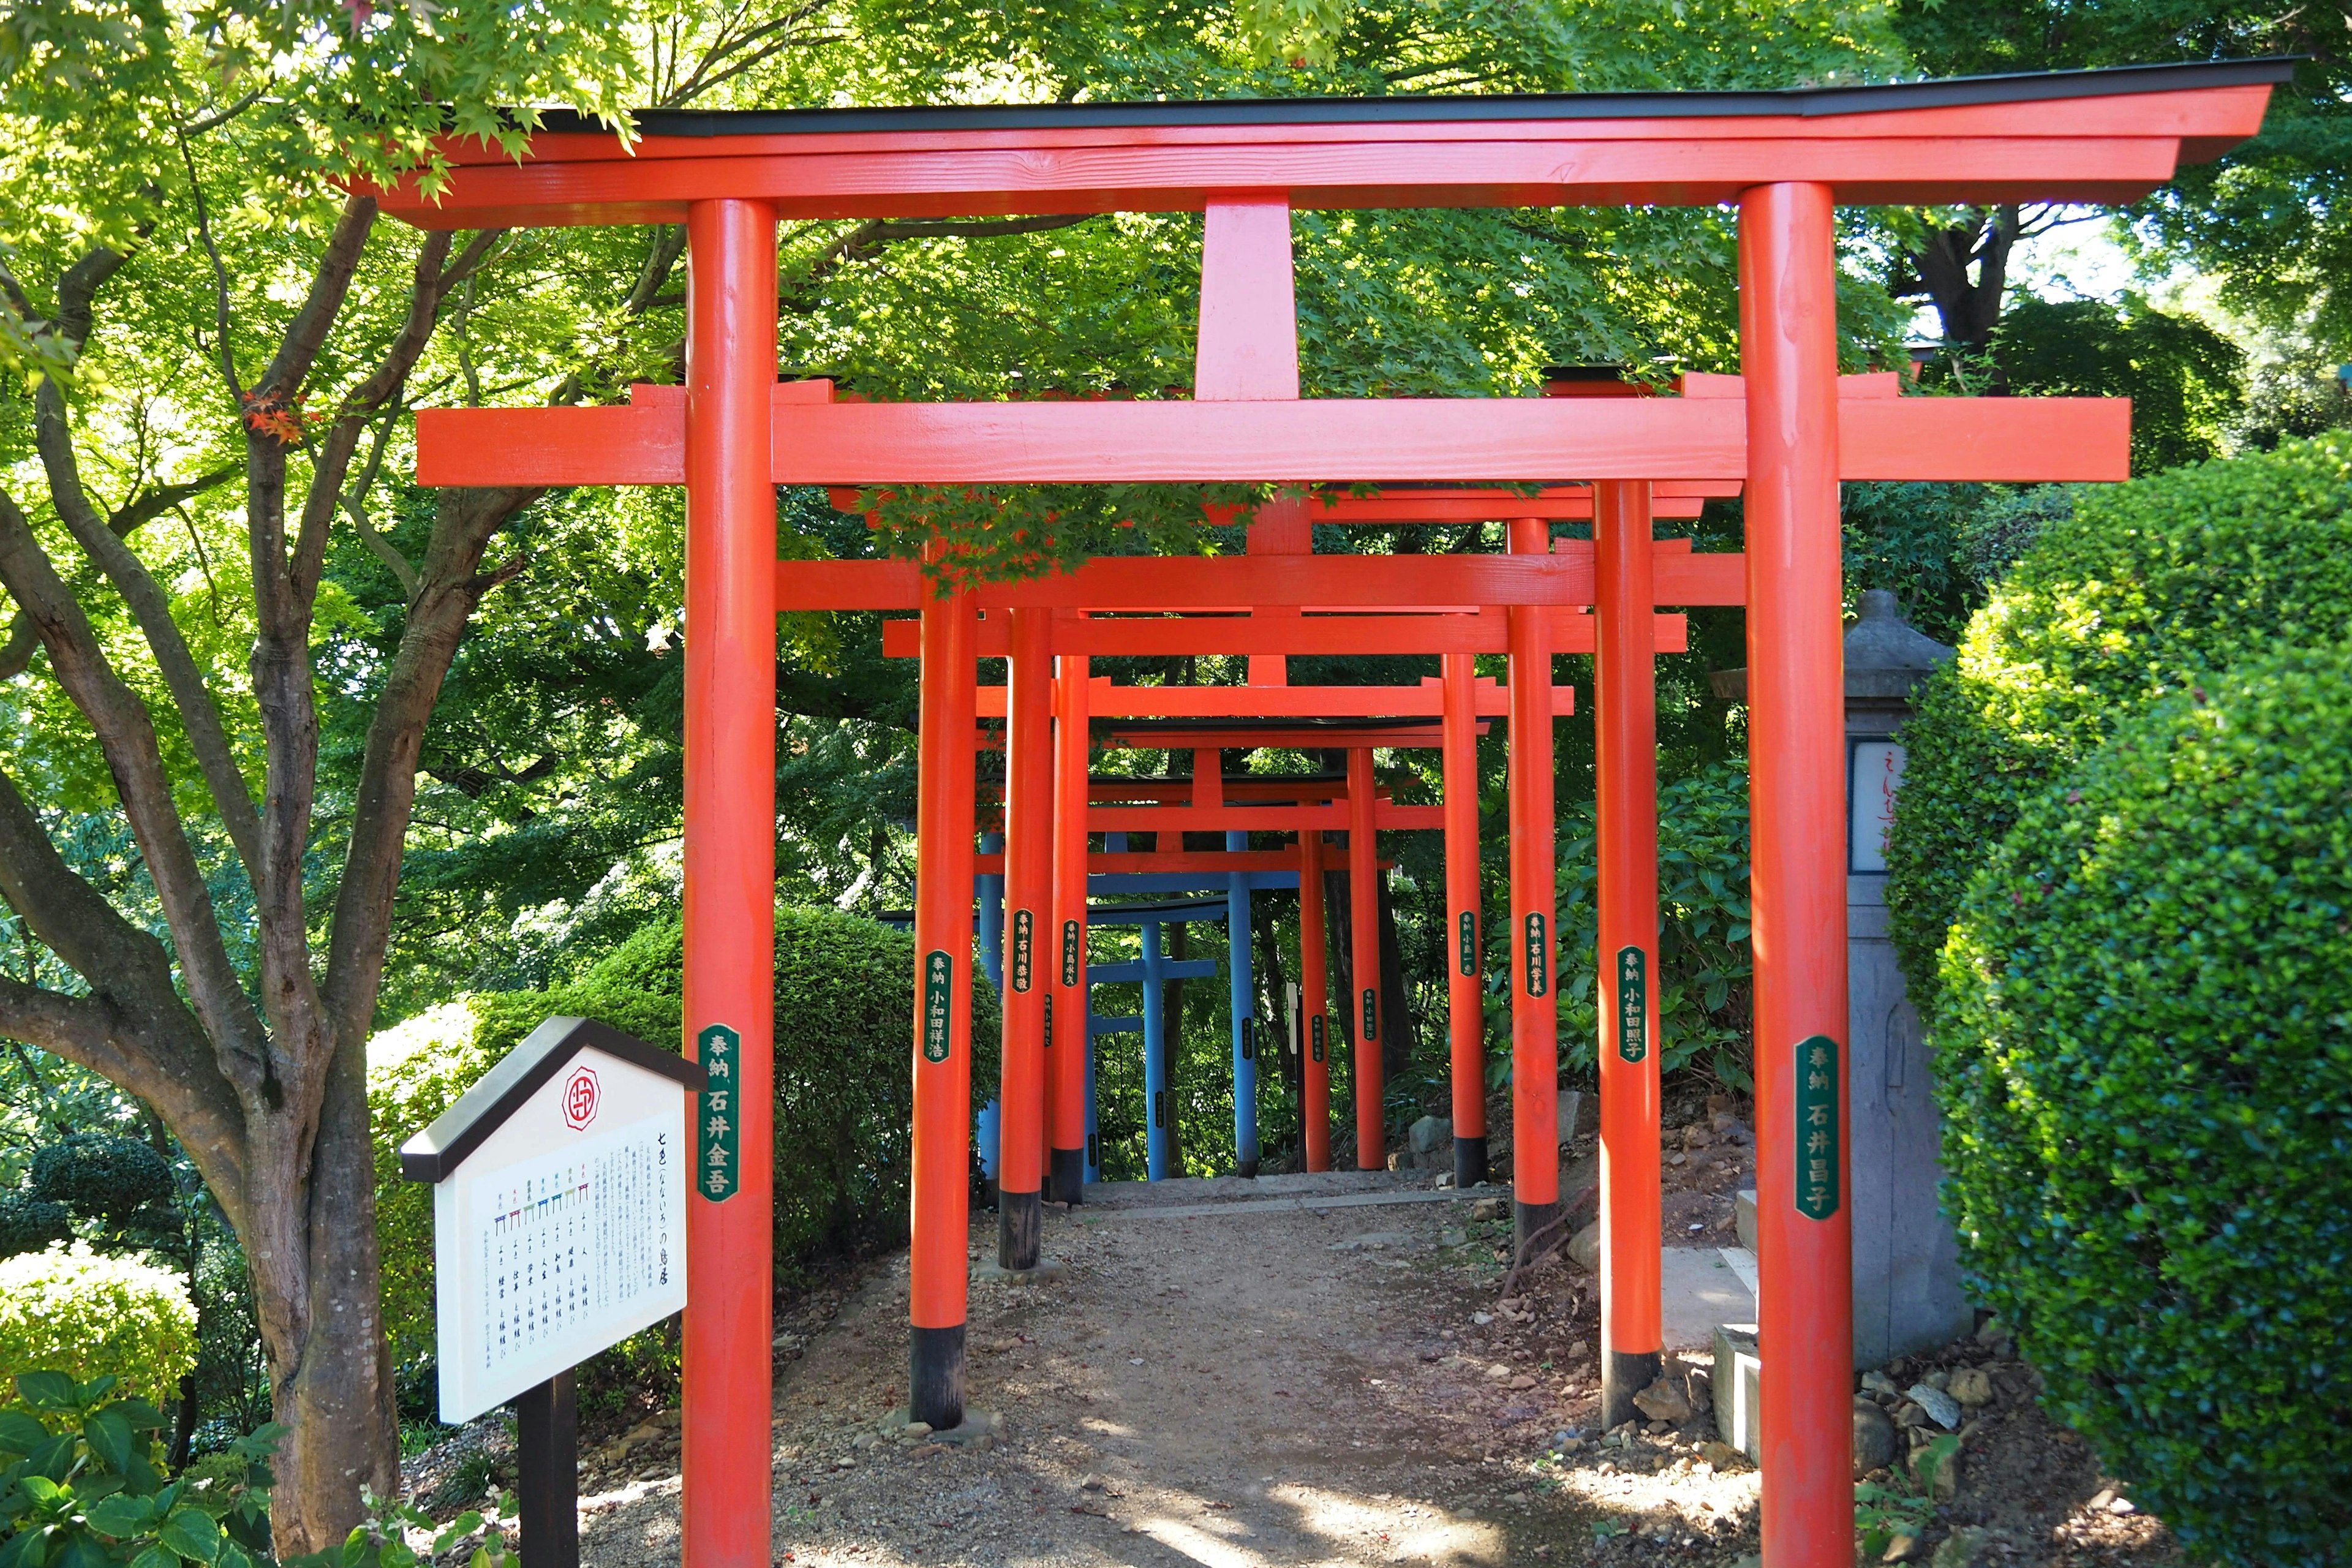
1783 158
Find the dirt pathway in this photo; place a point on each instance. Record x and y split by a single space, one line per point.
1323 1370
1260 1384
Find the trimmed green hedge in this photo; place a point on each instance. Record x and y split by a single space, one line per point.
2145 1063
71 1310
845 1084
2143 587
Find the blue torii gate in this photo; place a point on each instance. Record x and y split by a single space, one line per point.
1152 970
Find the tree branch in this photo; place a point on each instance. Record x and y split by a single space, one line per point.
463 524
126 734
150 607
133 1029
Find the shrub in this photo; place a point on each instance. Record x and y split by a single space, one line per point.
845 1090
1703 960
2146 1074
103 1177
82 1485
29 1224
2144 587
118 1183
69 1309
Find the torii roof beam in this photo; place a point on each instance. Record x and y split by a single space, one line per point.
2120 134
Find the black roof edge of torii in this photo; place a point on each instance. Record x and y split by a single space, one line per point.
1937 92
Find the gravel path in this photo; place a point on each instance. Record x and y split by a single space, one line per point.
1246 1375
1272 1387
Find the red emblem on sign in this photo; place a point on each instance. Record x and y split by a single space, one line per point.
580 1098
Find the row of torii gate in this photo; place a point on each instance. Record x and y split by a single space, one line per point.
1785 432
1034 926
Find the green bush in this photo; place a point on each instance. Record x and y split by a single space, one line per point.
2144 586
2144 1061
844 1088
29 1224
1703 960
82 1485
69 1309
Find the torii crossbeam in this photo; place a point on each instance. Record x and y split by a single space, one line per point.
1785 159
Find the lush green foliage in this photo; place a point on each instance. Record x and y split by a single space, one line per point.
29 1224
1940 547
2143 588
1704 958
82 1485
2184 380
2270 218
71 1308
844 1010
2144 1060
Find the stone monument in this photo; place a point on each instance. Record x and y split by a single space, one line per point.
1907 1274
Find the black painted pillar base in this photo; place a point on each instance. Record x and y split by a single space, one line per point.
1469 1159
935 1377
1019 1221
1528 1219
1624 1374
1246 1169
1066 1182
547 1440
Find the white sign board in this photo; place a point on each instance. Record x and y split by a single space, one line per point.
1870 811
561 1232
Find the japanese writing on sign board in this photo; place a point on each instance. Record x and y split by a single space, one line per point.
1467 958
1023 931
939 970
718 1143
1070 944
1632 1005
1539 955
1817 1127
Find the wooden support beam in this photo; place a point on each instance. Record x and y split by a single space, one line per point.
1322 440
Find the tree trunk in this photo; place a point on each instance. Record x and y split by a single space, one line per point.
1969 309
330 1364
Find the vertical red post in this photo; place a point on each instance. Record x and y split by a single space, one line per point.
1314 1003
1626 781
1364 964
1464 993
731 874
1535 1020
1788 333
1029 946
941 1195
1065 1055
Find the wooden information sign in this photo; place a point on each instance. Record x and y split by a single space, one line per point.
559 1228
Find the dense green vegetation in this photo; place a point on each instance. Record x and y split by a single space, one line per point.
2144 1046
2141 589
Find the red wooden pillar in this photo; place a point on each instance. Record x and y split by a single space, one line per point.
1465 996
1314 1003
1028 938
941 1192
1788 332
1364 962
1066 1046
1535 1020
730 875
1625 700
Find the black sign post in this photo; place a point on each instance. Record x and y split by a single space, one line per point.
547 1440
